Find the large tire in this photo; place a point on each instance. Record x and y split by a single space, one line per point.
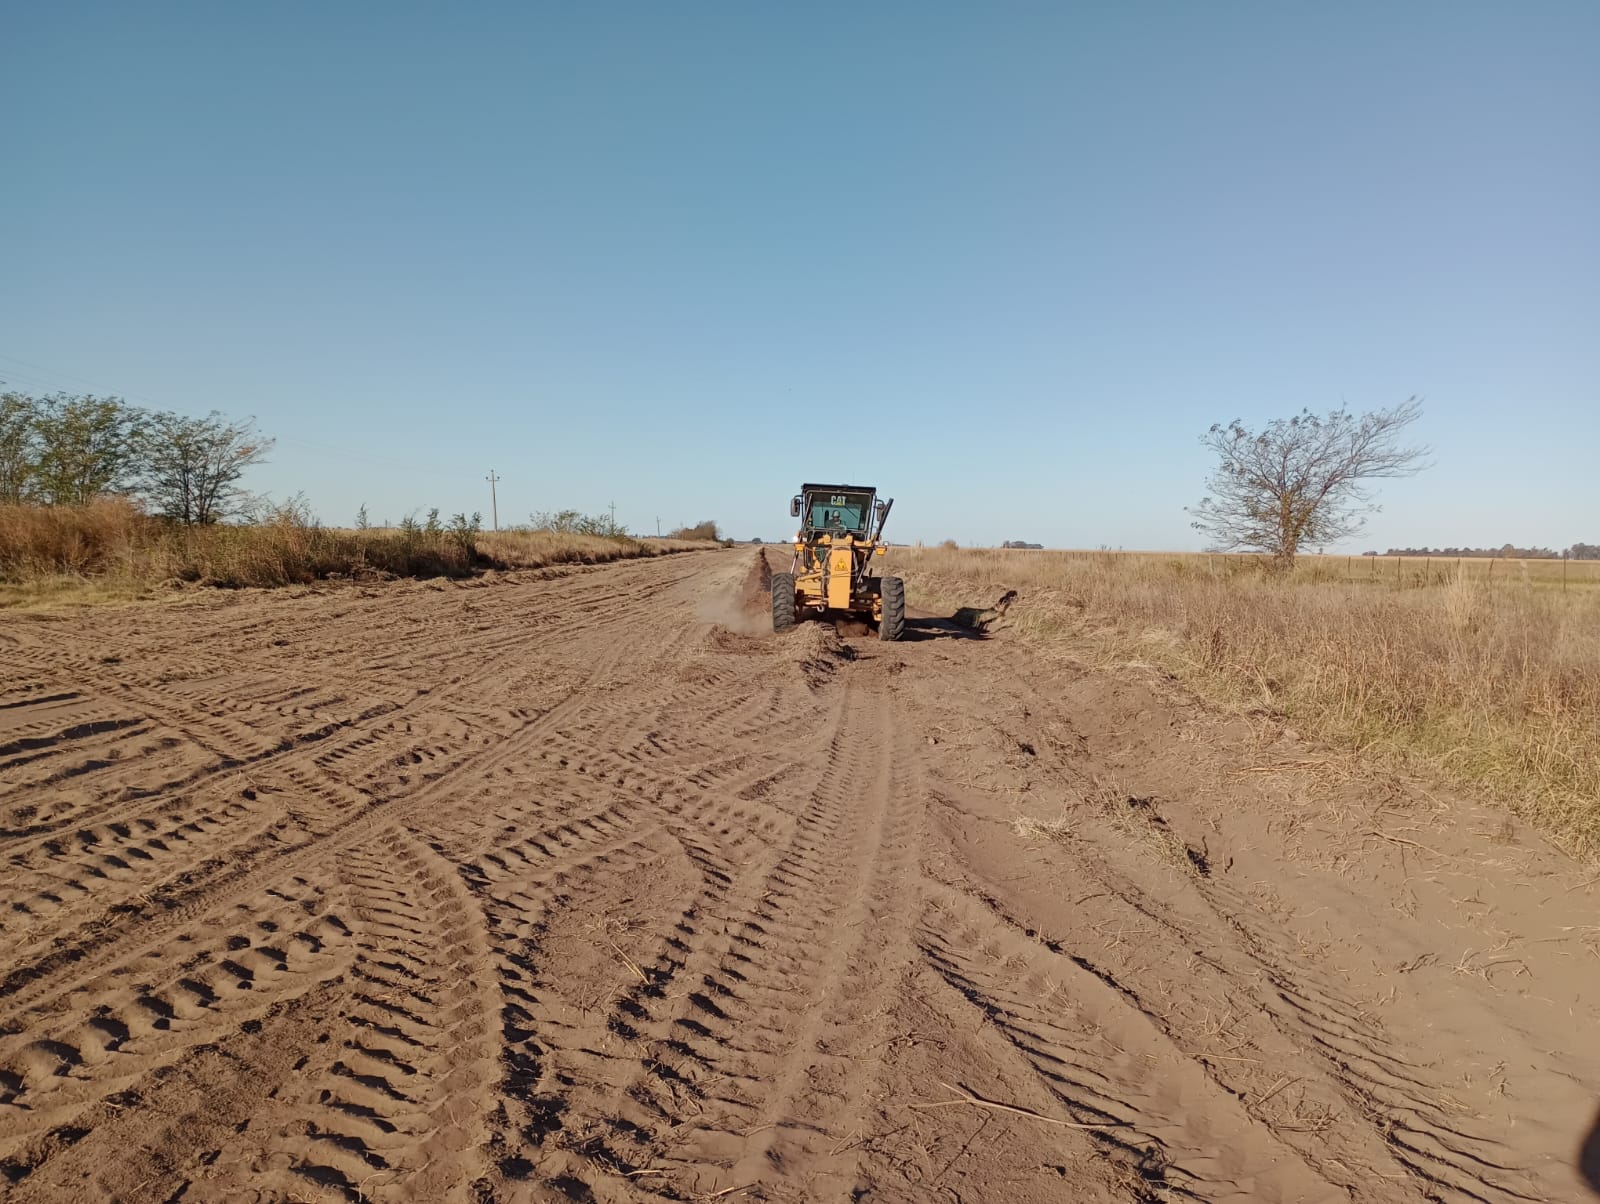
782 601
893 624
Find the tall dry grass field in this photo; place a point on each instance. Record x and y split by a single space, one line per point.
84 552
110 550
1440 570
538 548
1491 684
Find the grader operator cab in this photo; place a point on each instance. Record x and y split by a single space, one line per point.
840 538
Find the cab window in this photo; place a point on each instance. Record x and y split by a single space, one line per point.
840 512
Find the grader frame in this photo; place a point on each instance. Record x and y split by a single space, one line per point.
835 552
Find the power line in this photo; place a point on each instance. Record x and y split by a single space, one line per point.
52 380
20 381
29 380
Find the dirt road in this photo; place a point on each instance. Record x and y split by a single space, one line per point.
570 889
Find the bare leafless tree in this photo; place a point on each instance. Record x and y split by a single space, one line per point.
1301 481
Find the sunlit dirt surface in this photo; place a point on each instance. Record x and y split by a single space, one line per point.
555 888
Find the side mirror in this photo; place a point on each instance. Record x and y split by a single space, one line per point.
794 506
882 508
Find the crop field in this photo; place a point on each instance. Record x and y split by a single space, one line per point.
578 884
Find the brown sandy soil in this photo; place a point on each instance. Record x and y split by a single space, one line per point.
554 889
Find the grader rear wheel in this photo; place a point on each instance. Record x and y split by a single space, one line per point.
782 601
893 623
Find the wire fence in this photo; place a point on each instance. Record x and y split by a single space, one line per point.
1400 572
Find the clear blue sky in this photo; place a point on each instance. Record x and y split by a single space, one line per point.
1006 261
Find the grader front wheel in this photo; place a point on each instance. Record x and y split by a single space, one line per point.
782 601
893 623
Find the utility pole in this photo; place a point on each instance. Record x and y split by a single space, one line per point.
658 526
613 518
494 503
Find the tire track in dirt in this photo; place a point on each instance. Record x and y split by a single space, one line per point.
580 883
162 782
660 794
551 892
816 1102
740 1047
88 953
99 865
384 1106
1251 1013
1361 1099
1097 1050
204 983
581 927
56 748
231 744
38 746
1433 1138
57 1073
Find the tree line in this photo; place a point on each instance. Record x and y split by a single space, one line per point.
1578 551
66 450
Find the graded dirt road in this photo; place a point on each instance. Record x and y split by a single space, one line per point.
583 888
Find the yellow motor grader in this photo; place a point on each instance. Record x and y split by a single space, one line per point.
840 537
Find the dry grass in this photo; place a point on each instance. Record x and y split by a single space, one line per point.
43 593
1413 571
57 541
1490 685
110 551
1129 815
536 549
